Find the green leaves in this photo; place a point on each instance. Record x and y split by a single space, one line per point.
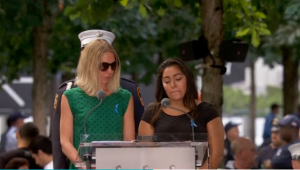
255 39
161 11
293 8
259 14
248 22
124 2
233 105
264 31
142 10
91 11
178 3
242 32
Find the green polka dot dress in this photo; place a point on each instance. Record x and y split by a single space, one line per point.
105 122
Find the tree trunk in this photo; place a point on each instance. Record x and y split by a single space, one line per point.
290 81
253 101
213 31
40 78
51 96
40 64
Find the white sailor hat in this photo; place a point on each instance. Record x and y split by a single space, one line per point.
295 151
91 35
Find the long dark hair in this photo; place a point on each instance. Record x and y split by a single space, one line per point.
191 91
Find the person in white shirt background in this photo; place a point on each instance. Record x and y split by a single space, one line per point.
8 139
41 151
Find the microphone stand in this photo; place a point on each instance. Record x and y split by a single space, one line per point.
88 156
193 132
192 121
88 160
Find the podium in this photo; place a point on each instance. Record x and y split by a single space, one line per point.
163 151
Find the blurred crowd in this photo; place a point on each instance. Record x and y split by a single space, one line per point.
280 149
22 146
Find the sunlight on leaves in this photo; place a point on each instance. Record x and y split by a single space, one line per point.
143 10
124 2
264 31
161 11
74 16
260 15
178 3
242 32
255 40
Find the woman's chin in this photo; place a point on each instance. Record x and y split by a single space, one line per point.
176 98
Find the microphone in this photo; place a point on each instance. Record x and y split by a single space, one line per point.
87 156
166 102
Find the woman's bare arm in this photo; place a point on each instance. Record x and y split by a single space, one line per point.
128 126
66 130
216 143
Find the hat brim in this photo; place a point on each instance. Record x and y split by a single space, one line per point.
275 129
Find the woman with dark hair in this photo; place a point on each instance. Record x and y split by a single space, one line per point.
17 163
176 82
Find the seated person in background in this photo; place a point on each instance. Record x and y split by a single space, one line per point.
244 152
25 134
176 82
17 163
232 132
295 153
41 151
288 131
267 152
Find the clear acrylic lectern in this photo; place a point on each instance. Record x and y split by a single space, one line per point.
160 151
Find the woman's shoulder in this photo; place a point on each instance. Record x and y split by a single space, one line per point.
205 106
73 91
149 112
151 106
207 111
122 91
122 96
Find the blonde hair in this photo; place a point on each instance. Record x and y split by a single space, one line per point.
88 67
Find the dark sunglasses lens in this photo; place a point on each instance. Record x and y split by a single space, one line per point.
113 66
104 66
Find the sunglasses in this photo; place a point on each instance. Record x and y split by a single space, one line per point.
296 157
104 66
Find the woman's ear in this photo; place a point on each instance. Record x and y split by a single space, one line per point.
40 152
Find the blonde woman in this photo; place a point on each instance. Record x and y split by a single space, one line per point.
98 69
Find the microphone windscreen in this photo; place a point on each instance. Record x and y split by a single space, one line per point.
101 95
165 102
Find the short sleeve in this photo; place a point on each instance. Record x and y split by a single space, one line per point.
68 93
210 112
149 113
124 96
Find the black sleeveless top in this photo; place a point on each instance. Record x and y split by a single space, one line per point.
178 128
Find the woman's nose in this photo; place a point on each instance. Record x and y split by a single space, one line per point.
173 83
